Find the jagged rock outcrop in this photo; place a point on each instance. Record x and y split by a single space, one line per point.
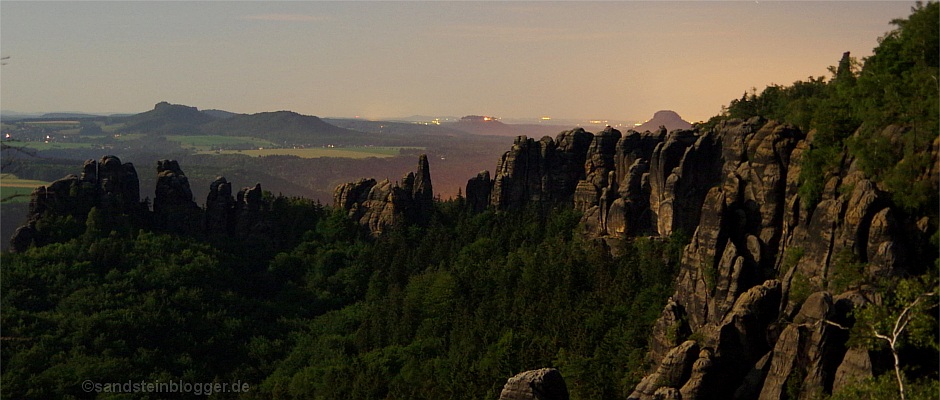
118 185
108 185
250 209
379 206
348 195
757 250
518 176
807 350
113 188
422 192
674 370
599 161
683 169
540 384
173 206
855 367
540 171
220 208
478 191
625 184
756 247
596 193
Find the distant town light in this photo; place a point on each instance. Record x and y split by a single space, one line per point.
545 118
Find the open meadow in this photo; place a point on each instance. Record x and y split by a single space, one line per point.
18 189
208 142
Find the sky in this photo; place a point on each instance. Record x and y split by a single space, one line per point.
620 60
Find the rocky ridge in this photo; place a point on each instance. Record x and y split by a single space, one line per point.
625 184
113 188
739 323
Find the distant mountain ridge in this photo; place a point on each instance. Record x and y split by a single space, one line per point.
219 113
17 116
284 127
291 128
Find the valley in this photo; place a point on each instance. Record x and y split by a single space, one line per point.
785 249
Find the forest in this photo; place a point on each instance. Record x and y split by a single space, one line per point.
442 311
452 306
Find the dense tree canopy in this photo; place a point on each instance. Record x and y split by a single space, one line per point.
447 310
882 110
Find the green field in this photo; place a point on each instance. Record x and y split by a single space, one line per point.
15 193
48 146
206 142
54 124
125 136
339 152
387 150
111 128
18 189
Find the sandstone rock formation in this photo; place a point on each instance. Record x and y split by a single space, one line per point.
113 188
540 384
379 206
478 191
249 210
754 287
173 206
540 171
108 185
220 208
625 184
754 243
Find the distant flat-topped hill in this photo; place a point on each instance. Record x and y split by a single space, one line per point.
166 118
668 118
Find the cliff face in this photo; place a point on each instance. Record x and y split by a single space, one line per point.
736 326
638 183
755 243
